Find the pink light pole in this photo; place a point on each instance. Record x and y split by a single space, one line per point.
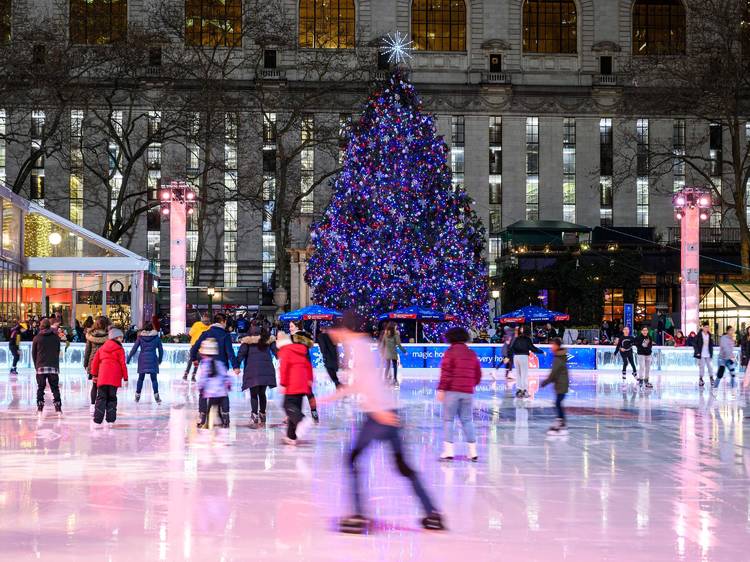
691 205
177 201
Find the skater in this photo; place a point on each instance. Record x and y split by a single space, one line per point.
559 377
110 369
460 373
726 355
149 359
45 353
330 354
644 347
301 336
745 347
95 338
703 351
519 352
508 338
381 423
390 345
214 383
624 346
195 332
14 341
296 376
259 374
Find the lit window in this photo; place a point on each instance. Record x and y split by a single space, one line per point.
213 23
659 27
326 24
532 168
98 22
438 25
550 26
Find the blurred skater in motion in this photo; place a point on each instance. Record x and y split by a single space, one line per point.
703 351
624 346
381 423
296 376
45 354
726 355
214 384
259 374
299 335
196 330
110 369
559 377
520 349
330 354
14 342
460 373
390 345
152 353
95 338
644 348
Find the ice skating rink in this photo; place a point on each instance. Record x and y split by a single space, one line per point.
663 475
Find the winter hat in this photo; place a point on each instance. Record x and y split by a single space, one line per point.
209 347
115 333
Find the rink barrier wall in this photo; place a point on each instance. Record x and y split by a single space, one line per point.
416 356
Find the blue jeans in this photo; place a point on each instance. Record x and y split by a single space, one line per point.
461 404
154 383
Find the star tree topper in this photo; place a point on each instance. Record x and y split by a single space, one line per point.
397 47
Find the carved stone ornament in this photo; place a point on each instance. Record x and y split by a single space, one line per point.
496 45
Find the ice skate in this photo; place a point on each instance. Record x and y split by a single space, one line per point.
624 376
303 428
192 379
185 376
701 383
354 524
254 421
447 454
288 441
262 421
202 421
648 385
224 419
473 457
558 429
157 399
433 522
137 398
58 409
315 417
519 393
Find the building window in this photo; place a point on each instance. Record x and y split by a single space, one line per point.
606 166
231 131
678 149
438 25
715 156
569 169
550 26
458 140
269 200
153 222
75 181
532 168
36 191
326 24
307 165
3 125
659 27
98 22
496 190
6 16
643 172
213 23
115 162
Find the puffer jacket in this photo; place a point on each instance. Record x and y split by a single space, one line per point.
108 364
296 374
559 373
460 370
45 351
94 340
151 351
258 363
223 340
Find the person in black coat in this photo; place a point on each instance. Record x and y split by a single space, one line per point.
330 354
624 347
218 331
259 374
45 354
745 347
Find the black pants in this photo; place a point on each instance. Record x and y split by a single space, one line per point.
54 385
195 366
627 357
205 403
106 403
16 356
294 415
388 364
93 392
558 404
333 373
258 398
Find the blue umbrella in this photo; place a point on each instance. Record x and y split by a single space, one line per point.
313 312
531 314
418 314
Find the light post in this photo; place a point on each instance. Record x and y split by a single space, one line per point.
691 206
177 201
210 292
495 297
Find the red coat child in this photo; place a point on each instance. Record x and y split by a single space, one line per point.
296 374
109 364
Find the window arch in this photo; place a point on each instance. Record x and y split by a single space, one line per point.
659 27
438 25
550 26
326 24
98 22
213 23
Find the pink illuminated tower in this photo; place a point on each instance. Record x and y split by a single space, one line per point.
692 205
177 200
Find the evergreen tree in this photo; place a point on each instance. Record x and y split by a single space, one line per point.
397 233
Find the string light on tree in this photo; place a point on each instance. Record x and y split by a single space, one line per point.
397 47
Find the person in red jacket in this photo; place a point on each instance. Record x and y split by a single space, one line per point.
460 373
110 368
296 376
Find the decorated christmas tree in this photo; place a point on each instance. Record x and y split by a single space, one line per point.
397 233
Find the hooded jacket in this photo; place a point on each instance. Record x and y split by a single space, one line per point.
196 330
559 373
151 351
94 340
109 365
296 374
328 351
460 370
45 351
258 363
223 340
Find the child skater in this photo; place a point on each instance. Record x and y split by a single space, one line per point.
110 369
305 338
559 377
296 376
259 374
149 359
214 384
460 373
381 423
